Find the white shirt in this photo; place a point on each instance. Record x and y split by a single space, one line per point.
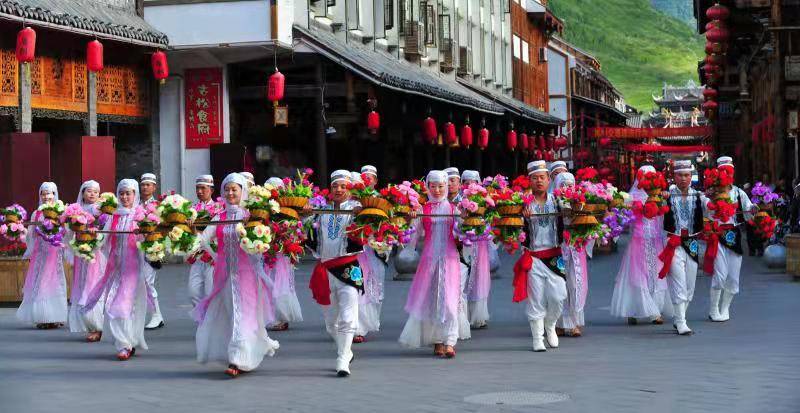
543 230
332 231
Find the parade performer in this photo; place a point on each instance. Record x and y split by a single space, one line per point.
683 223
539 274
44 294
86 275
554 169
337 281
478 281
724 250
373 269
149 186
572 321
287 306
232 326
201 272
122 291
453 185
638 290
435 293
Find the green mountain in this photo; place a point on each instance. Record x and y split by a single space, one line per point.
682 10
639 47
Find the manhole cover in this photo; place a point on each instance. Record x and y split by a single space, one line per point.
517 398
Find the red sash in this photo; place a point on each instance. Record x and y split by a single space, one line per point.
524 265
320 289
673 242
712 247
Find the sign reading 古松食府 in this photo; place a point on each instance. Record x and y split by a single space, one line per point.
203 107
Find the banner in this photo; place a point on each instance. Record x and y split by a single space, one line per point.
647 133
668 148
203 107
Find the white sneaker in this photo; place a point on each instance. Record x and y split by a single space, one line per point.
537 331
156 320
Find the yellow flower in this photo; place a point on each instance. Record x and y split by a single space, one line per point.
176 233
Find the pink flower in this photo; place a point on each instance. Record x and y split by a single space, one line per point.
4 229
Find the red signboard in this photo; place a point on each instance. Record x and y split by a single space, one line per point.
668 148
203 107
647 133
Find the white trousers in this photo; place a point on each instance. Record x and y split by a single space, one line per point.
546 293
682 277
726 271
342 315
150 278
201 281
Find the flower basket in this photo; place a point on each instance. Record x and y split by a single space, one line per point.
147 227
376 203
399 221
402 209
294 202
290 213
261 215
177 218
584 220
50 214
11 218
479 213
373 212
108 209
474 221
506 210
616 203
509 222
201 224
153 237
76 227
86 236
12 278
595 208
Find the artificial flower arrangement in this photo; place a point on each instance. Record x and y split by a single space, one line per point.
584 227
617 220
654 184
764 225
511 238
108 203
507 224
763 196
15 249
295 194
404 199
50 229
521 184
587 174
599 194
374 206
256 235
479 207
421 189
718 182
154 245
764 222
206 212
11 222
84 243
381 236
288 239
719 179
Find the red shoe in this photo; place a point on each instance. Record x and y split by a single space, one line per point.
438 349
124 354
232 371
359 339
449 351
279 327
94 336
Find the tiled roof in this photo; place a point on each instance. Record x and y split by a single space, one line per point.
84 15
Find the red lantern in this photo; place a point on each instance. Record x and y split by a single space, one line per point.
94 56
511 140
610 159
718 35
718 12
537 154
710 105
710 94
714 24
483 138
582 155
466 136
710 68
604 141
549 143
275 87
560 142
429 132
450 134
523 142
26 45
542 145
714 48
715 59
549 156
160 66
373 122
531 142
605 171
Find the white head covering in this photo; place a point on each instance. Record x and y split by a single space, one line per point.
436 177
149 177
340 175
355 177
537 166
564 179
683 165
84 186
556 165
124 185
240 180
206 180
369 169
635 192
248 177
724 160
49 187
471 175
275 182
452 171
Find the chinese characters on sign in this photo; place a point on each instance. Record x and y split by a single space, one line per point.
203 107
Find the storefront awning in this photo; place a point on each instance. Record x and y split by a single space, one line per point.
600 105
89 17
518 108
392 73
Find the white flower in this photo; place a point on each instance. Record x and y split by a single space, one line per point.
176 233
241 231
260 231
274 206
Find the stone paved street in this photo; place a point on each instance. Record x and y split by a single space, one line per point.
748 364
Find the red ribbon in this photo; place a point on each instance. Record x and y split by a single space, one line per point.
712 247
524 265
666 256
320 289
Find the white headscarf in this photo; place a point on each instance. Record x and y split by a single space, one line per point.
50 187
235 178
128 184
563 179
436 177
275 182
635 192
84 186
